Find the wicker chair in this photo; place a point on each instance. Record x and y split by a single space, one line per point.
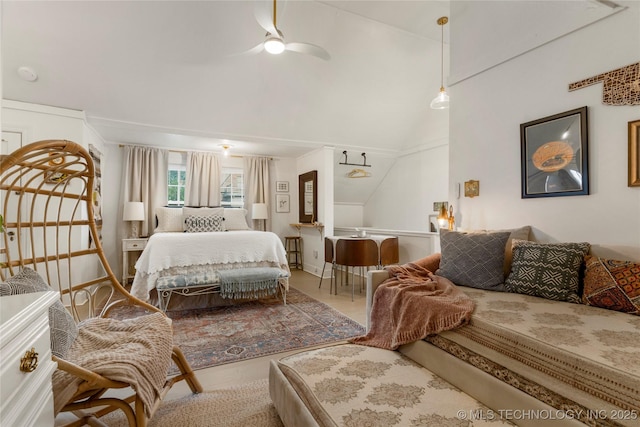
48 191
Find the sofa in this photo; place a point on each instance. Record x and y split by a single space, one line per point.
531 354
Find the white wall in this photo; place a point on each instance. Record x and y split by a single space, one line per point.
313 242
348 214
404 200
488 108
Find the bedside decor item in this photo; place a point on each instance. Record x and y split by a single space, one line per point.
634 153
554 155
133 212
471 188
620 86
282 203
260 213
441 101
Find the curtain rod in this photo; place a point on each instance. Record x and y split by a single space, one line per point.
187 151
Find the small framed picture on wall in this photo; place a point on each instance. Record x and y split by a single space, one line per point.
282 186
282 203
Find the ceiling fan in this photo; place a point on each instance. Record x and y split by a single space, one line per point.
274 40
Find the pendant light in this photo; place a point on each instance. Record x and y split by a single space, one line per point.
441 101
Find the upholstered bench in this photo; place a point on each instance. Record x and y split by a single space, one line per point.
208 283
350 384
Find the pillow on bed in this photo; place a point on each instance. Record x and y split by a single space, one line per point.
475 260
169 219
190 211
547 270
235 219
521 233
612 284
203 223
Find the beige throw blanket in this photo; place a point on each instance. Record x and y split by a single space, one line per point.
136 351
412 304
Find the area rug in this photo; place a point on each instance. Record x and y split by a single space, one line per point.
239 406
215 336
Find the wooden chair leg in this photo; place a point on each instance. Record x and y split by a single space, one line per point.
141 418
185 369
322 276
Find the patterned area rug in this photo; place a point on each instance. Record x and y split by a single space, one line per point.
240 406
215 336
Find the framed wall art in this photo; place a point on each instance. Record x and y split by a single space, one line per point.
634 153
282 186
282 203
554 155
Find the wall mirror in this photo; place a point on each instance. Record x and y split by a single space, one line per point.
308 197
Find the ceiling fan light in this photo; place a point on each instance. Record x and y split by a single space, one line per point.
274 45
441 101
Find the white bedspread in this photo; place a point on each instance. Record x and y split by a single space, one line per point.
168 250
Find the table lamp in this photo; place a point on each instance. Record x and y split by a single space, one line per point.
133 212
259 211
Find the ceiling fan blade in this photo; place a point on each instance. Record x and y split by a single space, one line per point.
253 51
308 49
263 16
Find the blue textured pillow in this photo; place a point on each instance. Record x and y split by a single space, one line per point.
473 259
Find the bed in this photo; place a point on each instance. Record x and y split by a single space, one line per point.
192 263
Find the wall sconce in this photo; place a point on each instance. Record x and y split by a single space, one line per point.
260 212
133 212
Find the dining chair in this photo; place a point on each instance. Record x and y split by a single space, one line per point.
356 253
328 258
389 252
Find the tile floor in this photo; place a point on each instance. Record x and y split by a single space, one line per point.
253 369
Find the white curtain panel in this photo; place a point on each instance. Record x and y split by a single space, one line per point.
145 180
202 186
256 187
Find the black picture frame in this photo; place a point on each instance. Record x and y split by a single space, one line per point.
554 153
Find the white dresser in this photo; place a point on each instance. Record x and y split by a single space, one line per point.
26 398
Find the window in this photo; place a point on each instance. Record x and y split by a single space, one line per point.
176 179
232 188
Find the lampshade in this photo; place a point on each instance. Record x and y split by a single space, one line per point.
259 211
133 211
441 101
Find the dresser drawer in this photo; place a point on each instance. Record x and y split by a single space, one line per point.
26 397
134 244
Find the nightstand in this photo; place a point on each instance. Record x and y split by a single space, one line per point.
135 245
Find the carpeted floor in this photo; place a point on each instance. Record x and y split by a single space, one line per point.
240 406
215 336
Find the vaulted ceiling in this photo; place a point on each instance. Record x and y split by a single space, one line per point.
164 72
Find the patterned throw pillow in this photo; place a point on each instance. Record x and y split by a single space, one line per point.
62 327
611 284
199 224
548 270
473 259
202 211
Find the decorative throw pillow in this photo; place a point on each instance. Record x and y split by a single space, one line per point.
473 259
548 270
191 211
199 224
235 219
612 284
62 327
169 219
521 233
